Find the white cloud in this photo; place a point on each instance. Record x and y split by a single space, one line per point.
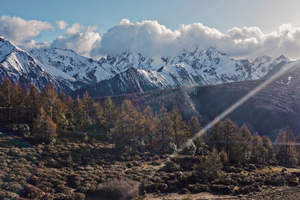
152 38
148 37
20 30
62 24
74 29
80 42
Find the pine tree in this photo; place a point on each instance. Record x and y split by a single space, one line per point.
210 166
6 98
49 98
44 129
269 148
109 116
87 111
6 93
242 145
223 136
165 124
33 103
286 153
179 133
194 125
149 125
97 115
127 126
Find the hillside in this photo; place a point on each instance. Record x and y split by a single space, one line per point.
275 107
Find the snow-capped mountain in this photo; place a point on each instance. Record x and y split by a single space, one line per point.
199 67
17 65
129 71
72 66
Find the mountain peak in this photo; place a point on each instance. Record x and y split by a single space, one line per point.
190 67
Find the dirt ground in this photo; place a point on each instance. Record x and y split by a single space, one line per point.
272 193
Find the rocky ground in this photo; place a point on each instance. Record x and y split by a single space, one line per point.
78 171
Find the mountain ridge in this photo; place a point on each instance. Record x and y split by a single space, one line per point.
129 71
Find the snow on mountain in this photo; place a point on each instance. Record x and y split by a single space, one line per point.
129 71
19 66
71 65
198 67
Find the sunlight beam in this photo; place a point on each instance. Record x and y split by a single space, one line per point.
237 104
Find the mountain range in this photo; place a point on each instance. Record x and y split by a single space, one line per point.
129 72
275 107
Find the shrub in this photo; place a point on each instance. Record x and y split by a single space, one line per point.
117 189
189 149
210 166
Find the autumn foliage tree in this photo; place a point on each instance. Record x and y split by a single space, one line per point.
44 129
50 113
286 150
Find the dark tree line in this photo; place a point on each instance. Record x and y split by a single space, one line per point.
50 114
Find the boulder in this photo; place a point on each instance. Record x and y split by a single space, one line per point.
189 150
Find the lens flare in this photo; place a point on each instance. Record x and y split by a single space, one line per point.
237 104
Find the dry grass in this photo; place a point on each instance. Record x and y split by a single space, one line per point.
115 189
269 170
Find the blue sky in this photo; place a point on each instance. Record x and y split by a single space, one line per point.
221 14
238 27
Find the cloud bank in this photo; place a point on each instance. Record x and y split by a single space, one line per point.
80 42
154 39
61 24
22 31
